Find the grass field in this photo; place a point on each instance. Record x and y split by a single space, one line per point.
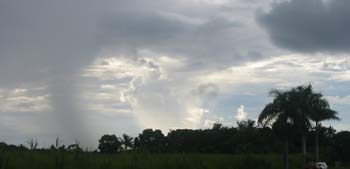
58 160
66 160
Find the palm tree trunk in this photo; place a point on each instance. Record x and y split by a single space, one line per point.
285 154
303 142
316 144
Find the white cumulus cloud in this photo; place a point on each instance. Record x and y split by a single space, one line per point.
241 114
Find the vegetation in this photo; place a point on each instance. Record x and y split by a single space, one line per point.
109 144
127 141
59 160
210 148
290 114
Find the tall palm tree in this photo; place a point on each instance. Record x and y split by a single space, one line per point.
310 106
307 106
321 112
280 115
126 141
301 97
302 105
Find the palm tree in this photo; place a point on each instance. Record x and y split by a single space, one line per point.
301 97
321 112
300 105
305 103
126 141
310 106
280 115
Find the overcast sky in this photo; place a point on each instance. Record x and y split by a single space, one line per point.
78 69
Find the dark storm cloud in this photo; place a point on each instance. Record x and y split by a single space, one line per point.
43 38
46 43
139 30
309 25
210 38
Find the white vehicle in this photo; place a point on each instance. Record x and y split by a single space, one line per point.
321 165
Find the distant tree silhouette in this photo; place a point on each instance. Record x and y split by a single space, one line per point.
341 146
137 143
109 144
217 126
57 144
32 143
243 125
151 140
126 140
6 147
74 147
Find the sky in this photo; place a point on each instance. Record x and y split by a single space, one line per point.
78 69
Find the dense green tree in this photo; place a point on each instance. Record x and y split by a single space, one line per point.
152 140
109 144
11 147
341 146
246 125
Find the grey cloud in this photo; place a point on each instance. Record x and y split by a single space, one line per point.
207 90
48 43
40 39
309 25
139 30
206 38
44 38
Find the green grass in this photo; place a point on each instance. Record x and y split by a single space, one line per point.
58 160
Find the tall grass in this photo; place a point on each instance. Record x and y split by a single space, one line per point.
66 160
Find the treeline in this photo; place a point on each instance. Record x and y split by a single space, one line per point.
32 145
247 138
